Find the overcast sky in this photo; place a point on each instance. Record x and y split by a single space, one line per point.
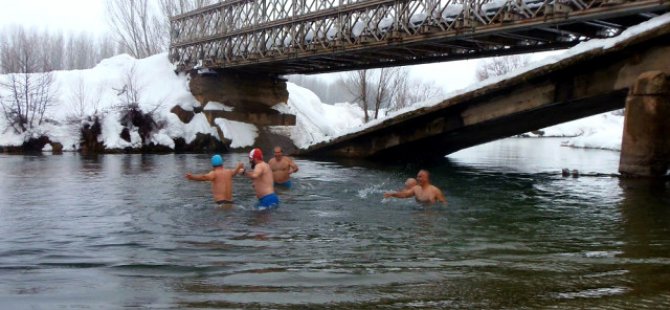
57 15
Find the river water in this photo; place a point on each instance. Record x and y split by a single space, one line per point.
117 231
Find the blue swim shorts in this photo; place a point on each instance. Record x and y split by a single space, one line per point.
286 184
269 201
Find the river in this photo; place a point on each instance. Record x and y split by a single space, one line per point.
129 231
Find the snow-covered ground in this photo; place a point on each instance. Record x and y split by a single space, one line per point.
161 89
602 131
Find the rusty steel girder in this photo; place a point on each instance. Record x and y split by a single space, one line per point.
310 36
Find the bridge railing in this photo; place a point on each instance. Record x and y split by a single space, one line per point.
239 31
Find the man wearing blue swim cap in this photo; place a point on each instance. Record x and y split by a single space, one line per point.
221 178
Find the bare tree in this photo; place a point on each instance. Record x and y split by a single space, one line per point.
411 91
386 87
106 48
2 47
129 93
11 38
357 84
378 89
31 85
402 96
82 54
500 65
60 51
55 47
84 100
31 95
132 115
138 26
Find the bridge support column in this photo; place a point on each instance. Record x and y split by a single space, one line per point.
249 99
645 148
245 92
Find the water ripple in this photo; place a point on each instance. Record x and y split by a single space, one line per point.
127 231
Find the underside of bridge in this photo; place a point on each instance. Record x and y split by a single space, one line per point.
316 36
250 44
582 85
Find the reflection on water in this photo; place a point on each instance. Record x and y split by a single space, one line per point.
129 231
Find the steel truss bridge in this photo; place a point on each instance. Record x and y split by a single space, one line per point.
279 37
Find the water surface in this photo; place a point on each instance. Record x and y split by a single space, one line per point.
116 231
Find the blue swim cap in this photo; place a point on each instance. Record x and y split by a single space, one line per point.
217 161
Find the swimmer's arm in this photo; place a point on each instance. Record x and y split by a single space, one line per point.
293 166
200 177
440 197
239 169
401 194
256 173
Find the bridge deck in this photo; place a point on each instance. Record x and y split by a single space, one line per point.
313 36
584 84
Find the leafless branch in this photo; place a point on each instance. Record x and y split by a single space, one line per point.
138 26
357 85
31 86
500 65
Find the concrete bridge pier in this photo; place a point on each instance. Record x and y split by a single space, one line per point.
645 148
245 92
249 98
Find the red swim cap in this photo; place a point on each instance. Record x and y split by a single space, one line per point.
256 154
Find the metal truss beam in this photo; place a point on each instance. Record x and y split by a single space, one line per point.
267 35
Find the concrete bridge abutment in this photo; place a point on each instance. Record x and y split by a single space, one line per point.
248 98
645 146
245 92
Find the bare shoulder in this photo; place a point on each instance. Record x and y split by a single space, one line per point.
210 175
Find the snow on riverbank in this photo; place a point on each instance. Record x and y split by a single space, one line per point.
602 131
103 89
162 89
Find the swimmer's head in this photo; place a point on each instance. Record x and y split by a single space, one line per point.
423 177
217 161
255 154
409 183
278 152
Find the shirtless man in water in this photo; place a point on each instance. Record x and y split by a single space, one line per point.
221 178
261 177
282 168
423 192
